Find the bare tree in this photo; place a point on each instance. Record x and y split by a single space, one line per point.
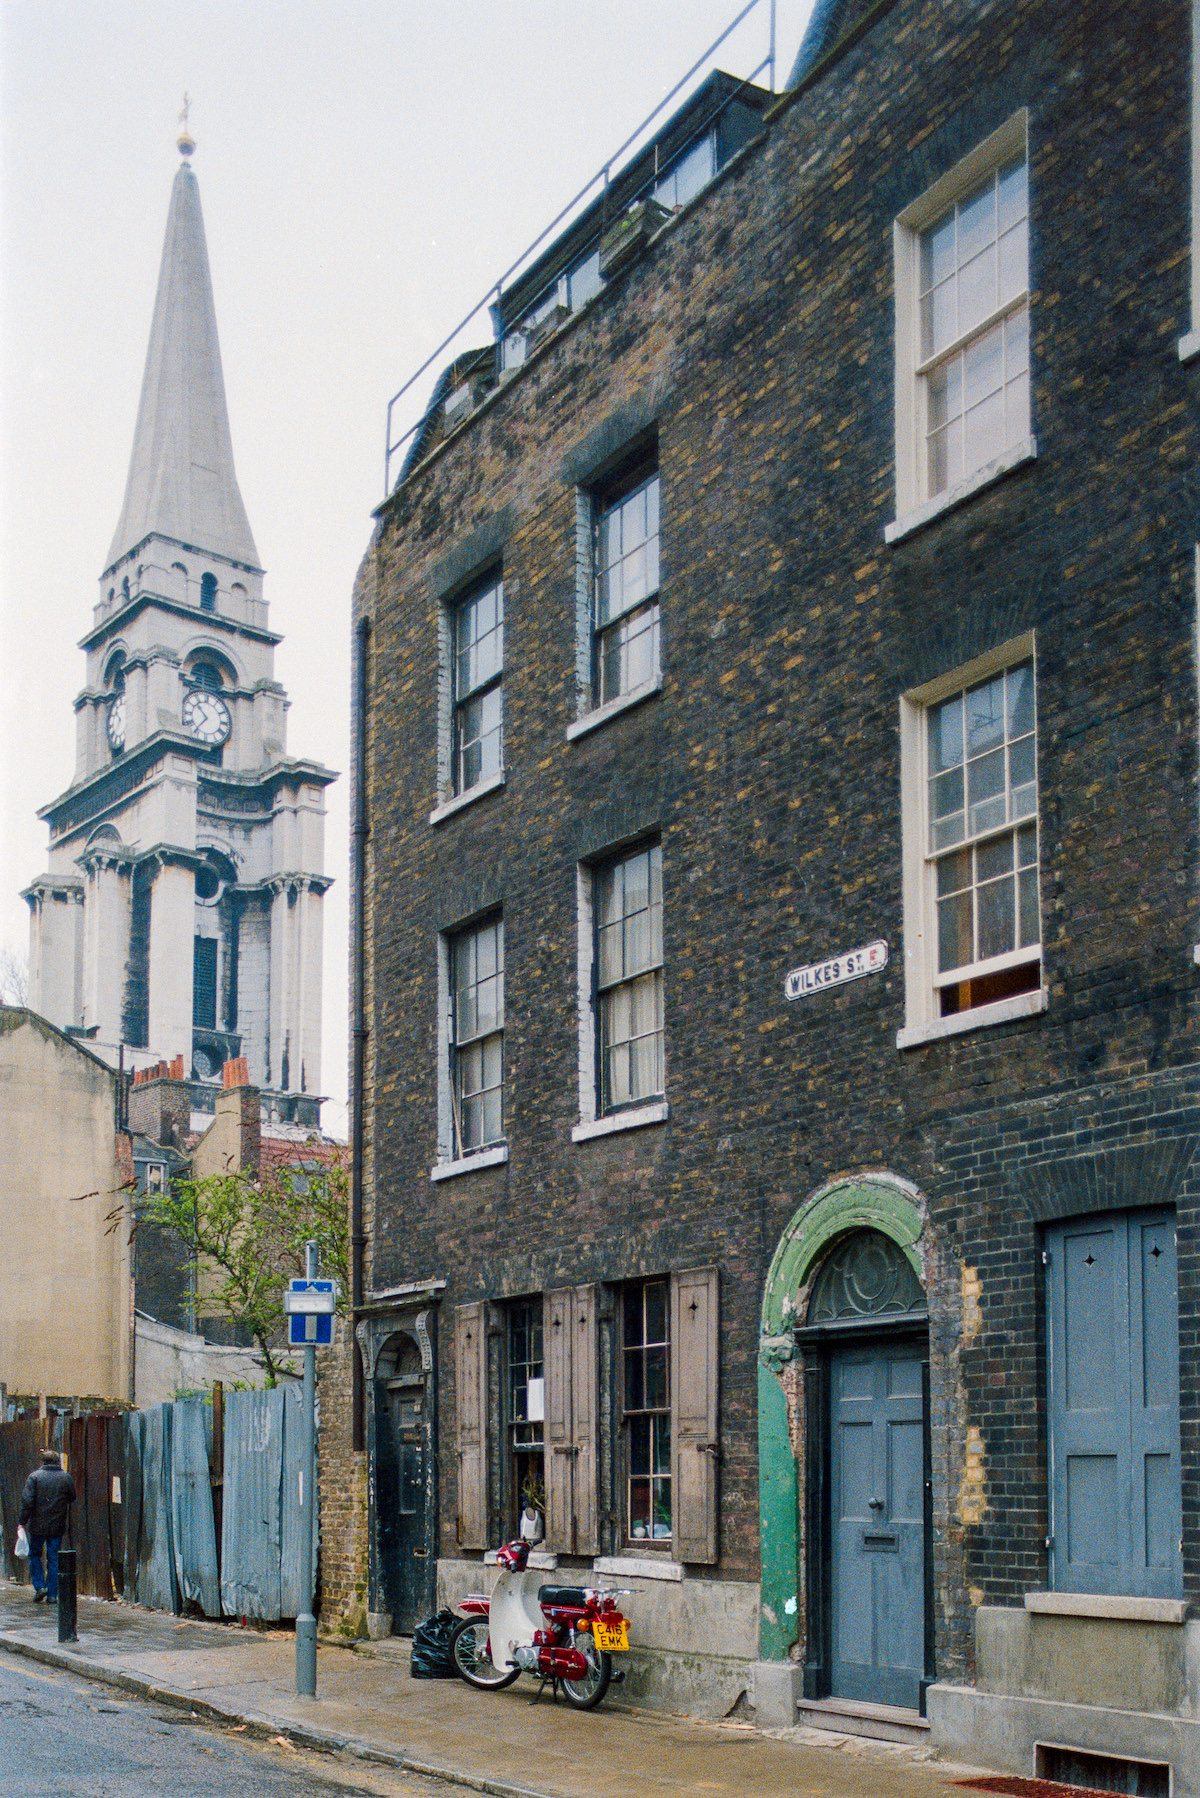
14 976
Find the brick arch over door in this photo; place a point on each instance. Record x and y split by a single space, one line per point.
874 1201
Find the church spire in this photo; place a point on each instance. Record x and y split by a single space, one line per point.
181 482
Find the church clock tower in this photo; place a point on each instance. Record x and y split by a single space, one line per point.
181 913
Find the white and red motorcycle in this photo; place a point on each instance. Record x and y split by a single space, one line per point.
566 1635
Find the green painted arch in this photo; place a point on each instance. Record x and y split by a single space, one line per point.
871 1202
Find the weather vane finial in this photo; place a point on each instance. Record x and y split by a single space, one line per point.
187 142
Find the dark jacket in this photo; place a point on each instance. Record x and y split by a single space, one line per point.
48 1495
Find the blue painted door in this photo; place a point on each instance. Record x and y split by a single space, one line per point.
1113 1383
877 1466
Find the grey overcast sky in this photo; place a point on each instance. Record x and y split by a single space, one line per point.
367 168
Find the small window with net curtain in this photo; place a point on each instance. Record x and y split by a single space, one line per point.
477 652
629 978
963 396
625 613
477 1036
973 355
982 847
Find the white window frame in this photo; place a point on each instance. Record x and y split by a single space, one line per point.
591 504
658 1421
450 1160
914 505
592 1121
922 1022
450 801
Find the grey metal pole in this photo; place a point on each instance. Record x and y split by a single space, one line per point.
306 1623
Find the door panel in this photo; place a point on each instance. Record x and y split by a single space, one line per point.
406 1408
1092 1526
877 1484
906 1458
1091 1323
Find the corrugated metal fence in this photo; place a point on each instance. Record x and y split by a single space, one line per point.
185 1506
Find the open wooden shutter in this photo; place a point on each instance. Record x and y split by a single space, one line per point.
558 1341
694 1445
584 1389
569 1336
470 1378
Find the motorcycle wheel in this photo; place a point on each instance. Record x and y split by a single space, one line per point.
587 1692
470 1651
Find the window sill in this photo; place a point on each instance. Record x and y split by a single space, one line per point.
496 1156
448 807
1025 451
1189 346
1116 1607
631 1567
622 1120
1001 1011
544 1563
622 703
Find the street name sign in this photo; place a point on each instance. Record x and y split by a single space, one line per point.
310 1305
851 965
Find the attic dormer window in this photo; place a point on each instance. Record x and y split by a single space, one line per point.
690 175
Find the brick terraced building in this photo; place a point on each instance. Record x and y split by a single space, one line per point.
779 747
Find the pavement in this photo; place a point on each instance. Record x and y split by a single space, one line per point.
368 1707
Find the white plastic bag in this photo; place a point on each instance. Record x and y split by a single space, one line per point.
21 1548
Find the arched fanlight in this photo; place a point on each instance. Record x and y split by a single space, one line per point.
866 1275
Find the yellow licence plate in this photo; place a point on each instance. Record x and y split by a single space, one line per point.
610 1636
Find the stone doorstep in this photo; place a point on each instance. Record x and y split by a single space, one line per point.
853 1717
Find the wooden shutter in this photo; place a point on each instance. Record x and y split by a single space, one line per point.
694 1444
584 1388
470 1379
557 1342
1114 1405
569 1336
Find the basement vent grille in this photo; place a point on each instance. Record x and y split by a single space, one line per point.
1076 1767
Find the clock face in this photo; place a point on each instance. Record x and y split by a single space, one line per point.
206 716
115 724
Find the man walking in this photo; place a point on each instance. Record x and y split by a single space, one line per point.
48 1496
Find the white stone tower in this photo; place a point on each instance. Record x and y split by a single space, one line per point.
181 913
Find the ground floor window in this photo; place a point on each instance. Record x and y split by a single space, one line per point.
1113 1391
646 1363
526 1414
596 1405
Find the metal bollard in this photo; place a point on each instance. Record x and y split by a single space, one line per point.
67 1606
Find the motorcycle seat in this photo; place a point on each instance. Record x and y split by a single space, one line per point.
572 1597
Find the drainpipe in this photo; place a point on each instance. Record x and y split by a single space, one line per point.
358 1064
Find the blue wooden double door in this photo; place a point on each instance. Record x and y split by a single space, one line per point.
1113 1390
877 1483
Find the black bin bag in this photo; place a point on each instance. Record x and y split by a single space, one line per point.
431 1647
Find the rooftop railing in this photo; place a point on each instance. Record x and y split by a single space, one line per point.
400 405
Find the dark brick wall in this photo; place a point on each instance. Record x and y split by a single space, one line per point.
757 336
